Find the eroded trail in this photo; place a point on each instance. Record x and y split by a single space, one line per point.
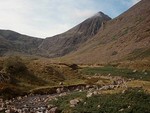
36 103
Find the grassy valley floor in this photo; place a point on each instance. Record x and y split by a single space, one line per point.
39 84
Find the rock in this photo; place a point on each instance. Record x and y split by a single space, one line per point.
98 106
7 111
54 110
91 89
11 111
95 92
77 89
58 90
89 95
2 109
80 90
143 70
25 110
50 106
123 91
55 99
145 73
7 102
109 74
121 109
129 79
60 83
74 102
2 104
25 96
62 94
19 110
87 86
19 98
62 89
25 105
84 103
111 86
105 88
134 71
72 105
94 86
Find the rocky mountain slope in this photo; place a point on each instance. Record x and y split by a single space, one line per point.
126 37
59 45
69 41
12 42
99 39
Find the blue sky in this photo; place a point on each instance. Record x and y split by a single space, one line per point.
45 18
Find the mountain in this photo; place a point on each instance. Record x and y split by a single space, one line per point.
13 43
126 37
98 39
71 40
59 45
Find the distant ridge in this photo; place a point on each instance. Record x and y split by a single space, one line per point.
15 43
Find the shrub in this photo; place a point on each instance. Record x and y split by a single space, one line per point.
74 66
14 65
8 91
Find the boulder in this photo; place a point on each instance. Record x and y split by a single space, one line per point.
89 95
74 102
58 90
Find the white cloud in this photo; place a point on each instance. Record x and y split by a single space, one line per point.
40 18
44 18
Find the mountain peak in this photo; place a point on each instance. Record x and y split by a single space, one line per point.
100 15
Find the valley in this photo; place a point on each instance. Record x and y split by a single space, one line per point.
101 65
70 86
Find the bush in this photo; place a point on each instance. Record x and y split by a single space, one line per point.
74 66
8 91
13 65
